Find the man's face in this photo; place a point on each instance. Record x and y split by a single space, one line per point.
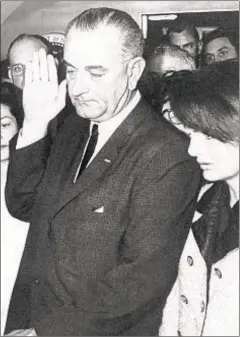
20 54
96 73
219 50
162 64
185 41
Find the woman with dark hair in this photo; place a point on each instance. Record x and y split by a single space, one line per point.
204 300
13 231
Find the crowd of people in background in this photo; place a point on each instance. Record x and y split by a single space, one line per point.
139 234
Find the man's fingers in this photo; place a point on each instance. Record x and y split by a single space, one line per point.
28 73
43 65
35 67
62 91
52 70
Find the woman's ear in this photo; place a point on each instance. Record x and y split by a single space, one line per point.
135 69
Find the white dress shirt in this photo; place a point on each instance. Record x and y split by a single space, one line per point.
107 128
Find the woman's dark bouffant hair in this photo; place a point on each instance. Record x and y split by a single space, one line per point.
206 100
8 98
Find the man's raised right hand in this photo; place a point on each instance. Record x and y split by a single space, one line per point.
43 98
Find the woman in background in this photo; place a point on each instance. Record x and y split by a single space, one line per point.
204 300
13 231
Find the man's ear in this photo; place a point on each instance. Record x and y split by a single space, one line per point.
135 69
10 75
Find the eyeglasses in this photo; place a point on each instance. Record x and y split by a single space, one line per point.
17 69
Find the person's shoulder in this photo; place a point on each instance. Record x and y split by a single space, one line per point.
162 132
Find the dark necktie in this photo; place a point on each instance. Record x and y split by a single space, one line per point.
90 148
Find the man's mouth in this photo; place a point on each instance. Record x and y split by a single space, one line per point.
205 166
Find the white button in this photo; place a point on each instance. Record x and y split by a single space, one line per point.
190 260
218 273
184 299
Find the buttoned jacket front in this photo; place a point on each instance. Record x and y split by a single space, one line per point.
185 311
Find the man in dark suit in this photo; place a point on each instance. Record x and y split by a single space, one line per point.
109 212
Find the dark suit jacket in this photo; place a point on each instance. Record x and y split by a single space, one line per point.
87 272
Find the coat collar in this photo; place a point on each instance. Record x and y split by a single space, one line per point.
216 232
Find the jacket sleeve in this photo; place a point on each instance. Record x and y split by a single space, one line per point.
169 326
25 172
161 207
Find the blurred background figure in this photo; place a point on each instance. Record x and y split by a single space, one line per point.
220 45
185 35
166 57
13 231
205 298
4 71
21 51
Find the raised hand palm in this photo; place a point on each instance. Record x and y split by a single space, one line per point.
43 98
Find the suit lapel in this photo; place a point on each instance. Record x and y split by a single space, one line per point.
108 156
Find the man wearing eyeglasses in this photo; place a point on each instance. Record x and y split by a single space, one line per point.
20 52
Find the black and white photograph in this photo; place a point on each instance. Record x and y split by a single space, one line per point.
119 168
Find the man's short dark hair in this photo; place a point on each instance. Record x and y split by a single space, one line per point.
220 32
131 35
179 25
30 37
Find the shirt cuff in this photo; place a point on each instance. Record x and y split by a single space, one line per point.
28 137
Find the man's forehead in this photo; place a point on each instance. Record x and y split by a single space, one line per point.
102 43
102 34
182 37
22 51
218 43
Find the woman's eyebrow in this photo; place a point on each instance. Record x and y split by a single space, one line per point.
6 117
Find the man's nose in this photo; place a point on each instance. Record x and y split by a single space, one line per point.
80 85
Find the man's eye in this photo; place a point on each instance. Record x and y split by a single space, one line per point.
17 69
209 58
223 53
96 75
